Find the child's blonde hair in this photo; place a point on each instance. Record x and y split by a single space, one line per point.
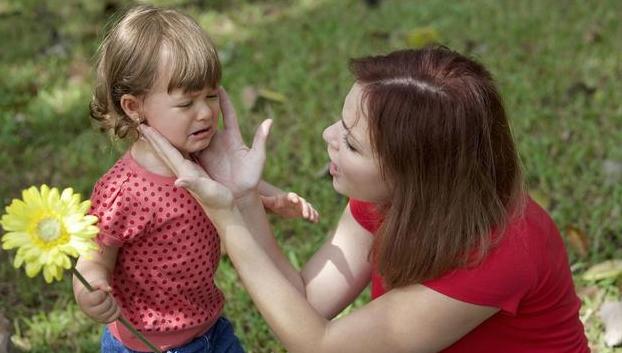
130 54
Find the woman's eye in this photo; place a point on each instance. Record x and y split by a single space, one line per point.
350 147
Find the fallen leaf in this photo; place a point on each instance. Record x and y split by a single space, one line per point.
593 35
611 315
249 97
612 171
271 95
79 69
540 198
603 270
589 292
578 241
580 87
5 334
421 37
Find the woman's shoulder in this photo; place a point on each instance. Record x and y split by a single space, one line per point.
528 255
534 230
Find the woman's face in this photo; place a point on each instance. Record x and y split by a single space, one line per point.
353 165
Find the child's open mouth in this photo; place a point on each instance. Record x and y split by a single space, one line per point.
201 133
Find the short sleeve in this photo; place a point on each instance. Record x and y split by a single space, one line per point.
122 217
501 280
365 214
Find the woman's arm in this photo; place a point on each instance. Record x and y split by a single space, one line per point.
336 273
409 319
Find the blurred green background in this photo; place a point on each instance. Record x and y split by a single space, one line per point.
558 65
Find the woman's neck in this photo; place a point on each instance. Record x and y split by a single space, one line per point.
147 158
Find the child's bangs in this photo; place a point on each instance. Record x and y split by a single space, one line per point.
194 66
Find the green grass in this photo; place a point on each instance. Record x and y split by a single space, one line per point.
558 65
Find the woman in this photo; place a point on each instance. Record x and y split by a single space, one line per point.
460 258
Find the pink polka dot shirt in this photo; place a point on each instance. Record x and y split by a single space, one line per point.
168 254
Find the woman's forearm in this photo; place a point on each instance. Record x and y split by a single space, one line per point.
252 212
298 326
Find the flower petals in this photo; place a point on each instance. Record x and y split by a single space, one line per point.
21 224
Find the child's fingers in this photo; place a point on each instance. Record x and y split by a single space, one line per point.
305 210
95 298
279 202
268 202
293 197
102 286
111 314
316 216
106 307
313 214
115 315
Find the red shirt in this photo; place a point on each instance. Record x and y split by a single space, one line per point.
526 276
163 279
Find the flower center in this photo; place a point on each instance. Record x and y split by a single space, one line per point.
49 229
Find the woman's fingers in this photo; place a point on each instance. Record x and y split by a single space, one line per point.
229 117
209 192
259 141
165 150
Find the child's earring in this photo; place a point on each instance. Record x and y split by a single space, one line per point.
138 119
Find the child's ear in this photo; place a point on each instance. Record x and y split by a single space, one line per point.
132 107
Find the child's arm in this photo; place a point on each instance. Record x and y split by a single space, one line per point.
96 269
286 204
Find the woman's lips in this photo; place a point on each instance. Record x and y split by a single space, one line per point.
333 169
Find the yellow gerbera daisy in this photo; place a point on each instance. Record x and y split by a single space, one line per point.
48 228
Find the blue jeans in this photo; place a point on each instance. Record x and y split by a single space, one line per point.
218 339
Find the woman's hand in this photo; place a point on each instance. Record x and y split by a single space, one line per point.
211 194
228 160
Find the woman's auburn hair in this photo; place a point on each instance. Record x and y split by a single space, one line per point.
440 133
131 52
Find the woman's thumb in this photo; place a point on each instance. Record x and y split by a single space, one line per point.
182 183
261 135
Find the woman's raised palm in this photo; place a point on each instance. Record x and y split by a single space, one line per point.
228 169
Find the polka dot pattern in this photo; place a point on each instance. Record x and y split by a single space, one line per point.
168 249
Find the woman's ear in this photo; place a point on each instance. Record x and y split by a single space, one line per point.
132 106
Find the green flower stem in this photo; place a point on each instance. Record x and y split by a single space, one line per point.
121 318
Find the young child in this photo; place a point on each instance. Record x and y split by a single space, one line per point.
159 251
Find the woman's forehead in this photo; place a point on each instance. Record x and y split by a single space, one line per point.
354 116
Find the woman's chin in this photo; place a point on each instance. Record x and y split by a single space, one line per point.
339 188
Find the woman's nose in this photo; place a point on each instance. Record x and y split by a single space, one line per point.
329 136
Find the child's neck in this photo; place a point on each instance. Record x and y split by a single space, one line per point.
147 158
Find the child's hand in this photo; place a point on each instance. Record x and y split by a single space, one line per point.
99 304
290 205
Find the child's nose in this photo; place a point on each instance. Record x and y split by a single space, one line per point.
205 112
